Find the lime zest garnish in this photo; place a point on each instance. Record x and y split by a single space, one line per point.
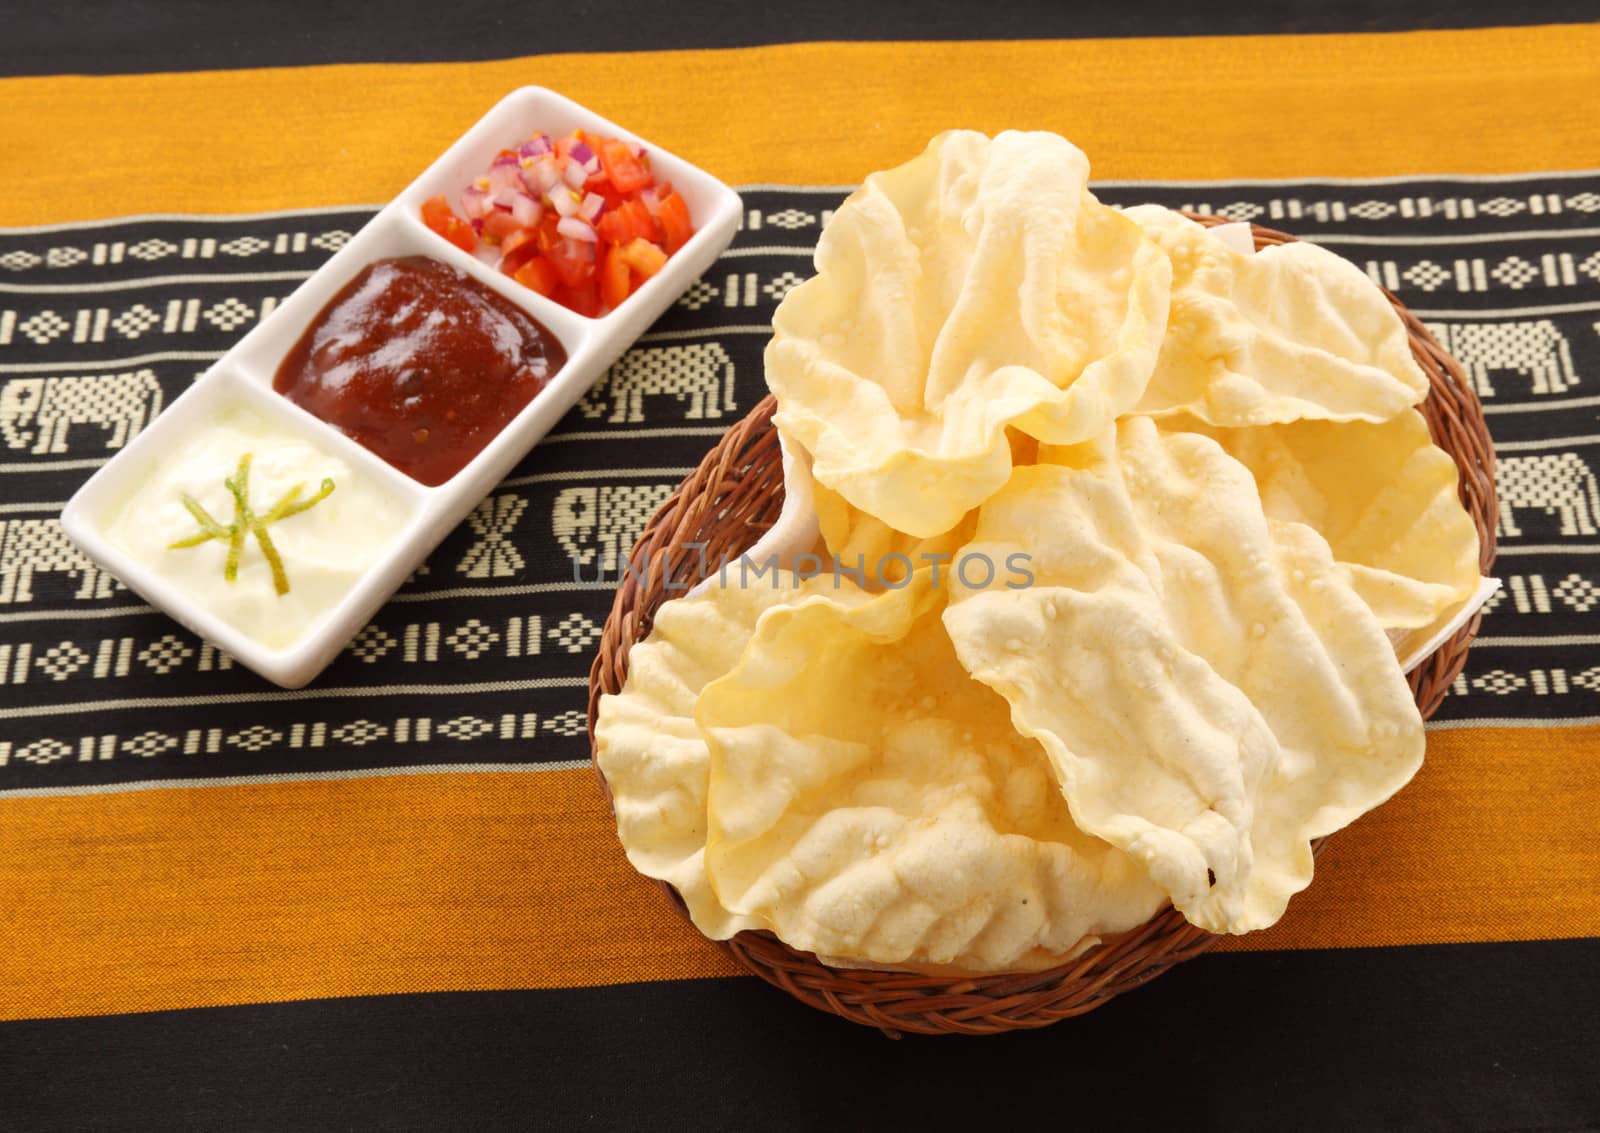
246 523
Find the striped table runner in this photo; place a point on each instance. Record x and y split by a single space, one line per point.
404 878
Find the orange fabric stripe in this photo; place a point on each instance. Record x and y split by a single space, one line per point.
194 897
188 897
1495 839
1494 100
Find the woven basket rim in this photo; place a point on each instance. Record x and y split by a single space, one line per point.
739 485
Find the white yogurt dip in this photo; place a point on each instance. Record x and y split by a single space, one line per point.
324 549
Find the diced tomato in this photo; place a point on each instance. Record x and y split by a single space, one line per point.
548 236
676 226
601 186
641 222
517 248
585 299
499 224
439 216
627 222
538 274
574 261
643 258
435 211
611 226
644 224
627 172
615 282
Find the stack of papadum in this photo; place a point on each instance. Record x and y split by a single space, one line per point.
1146 521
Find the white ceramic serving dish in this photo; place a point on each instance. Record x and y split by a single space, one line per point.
244 377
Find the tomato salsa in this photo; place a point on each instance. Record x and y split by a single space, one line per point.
580 219
420 363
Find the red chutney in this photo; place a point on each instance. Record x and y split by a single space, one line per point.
421 363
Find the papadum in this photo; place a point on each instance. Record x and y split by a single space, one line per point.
871 802
1384 496
653 757
977 286
1287 333
1211 691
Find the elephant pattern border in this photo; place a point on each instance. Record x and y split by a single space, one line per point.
483 655
38 413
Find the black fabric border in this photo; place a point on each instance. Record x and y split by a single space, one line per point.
101 37
449 639
1460 1037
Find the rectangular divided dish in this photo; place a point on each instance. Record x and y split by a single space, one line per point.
239 388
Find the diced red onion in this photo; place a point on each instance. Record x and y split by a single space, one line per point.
575 174
592 206
525 210
580 152
505 177
541 176
577 229
561 200
506 198
648 196
534 146
504 159
474 201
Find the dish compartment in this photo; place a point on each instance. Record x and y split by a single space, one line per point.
124 522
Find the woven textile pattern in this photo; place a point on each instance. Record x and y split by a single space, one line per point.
480 660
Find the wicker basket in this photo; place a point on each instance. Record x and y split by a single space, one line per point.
735 495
